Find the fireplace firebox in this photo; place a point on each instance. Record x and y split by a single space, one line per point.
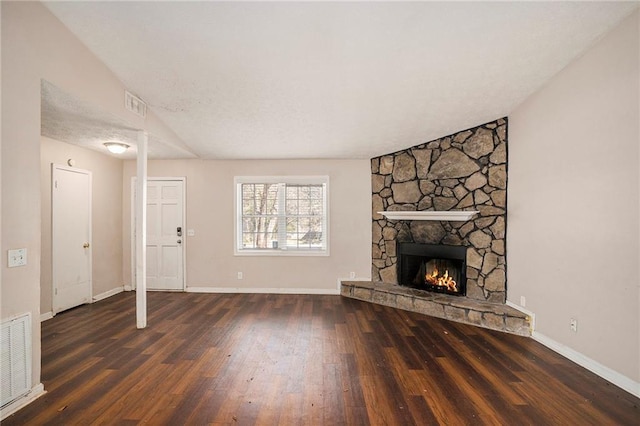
437 268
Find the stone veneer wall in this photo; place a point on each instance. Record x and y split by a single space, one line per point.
463 171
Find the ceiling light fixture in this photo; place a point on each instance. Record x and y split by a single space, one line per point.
116 147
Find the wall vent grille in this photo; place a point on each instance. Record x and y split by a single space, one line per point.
135 104
15 370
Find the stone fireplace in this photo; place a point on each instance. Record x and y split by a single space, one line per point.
465 171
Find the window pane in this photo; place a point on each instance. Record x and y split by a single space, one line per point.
260 198
248 191
259 232
303 224
304 207
315 225
304 232
316 192
248 207
248 224
303 191
292 207
316 207
292 192
292 225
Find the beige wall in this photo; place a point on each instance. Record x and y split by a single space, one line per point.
35 46
573 221
210 197
106 215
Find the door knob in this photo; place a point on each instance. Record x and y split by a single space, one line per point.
179 241
85 245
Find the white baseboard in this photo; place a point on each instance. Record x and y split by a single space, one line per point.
46 316
605 372
128 288
341 280
330 291
109 293
36 392
595 367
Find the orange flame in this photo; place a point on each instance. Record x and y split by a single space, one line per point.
442 281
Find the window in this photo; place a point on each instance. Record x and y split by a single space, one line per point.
282 215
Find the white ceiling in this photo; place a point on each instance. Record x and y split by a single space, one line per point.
69 119
258 80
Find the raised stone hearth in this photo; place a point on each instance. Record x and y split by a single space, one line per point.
463 171
495 316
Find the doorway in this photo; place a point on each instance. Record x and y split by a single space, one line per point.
165 233
71 237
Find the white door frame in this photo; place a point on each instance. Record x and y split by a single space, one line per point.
60 167
184 230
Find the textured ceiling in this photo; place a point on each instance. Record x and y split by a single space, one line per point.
331 79
68 119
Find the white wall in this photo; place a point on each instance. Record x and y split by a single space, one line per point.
106 215
35 46
573 208
211 262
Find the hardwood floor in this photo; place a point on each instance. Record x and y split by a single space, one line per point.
297 359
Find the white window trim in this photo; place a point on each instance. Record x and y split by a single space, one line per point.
299 180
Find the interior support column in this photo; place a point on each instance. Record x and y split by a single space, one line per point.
141 231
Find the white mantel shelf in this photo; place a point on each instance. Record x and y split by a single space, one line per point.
449 215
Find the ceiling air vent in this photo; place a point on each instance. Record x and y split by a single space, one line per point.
135 104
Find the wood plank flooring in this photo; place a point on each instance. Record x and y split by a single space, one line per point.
256 359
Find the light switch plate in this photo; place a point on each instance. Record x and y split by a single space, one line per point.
17 257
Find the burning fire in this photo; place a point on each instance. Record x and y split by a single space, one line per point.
441 281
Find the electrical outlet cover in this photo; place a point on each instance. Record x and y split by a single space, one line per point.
17 257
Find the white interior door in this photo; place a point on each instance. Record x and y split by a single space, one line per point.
165 234
71 237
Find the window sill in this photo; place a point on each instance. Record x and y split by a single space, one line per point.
277 252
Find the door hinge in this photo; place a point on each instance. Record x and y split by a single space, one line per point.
56 184
56 291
